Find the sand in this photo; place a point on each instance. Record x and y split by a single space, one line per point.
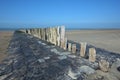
5 37
106 39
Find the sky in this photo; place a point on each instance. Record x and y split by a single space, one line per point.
70 13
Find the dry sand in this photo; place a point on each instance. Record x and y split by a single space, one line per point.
106 39
5 37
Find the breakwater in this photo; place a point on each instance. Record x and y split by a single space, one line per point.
39 58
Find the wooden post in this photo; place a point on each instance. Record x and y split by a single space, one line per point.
28 31
92 54
62 34
58 41
83 49
69 46
58 36
62 44
65 44
104 65
54 35
35 34
73 48
40 33
45 32
23 30
50 35
31 31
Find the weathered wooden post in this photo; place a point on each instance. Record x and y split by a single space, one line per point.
47 34
39 33
58 41
45 29
62 36
37 30
62 32
31 32
58 36
69 46
28 31
36 35
73 48
50 35
83 49
62 44
54 35
34 32
65 44
104 65
42 33
23 30
52 38
92 54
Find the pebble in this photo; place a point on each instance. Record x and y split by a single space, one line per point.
72 74
62 57
65 53
47 46
71 56
43 44
46 57
55 51
86 69
39 42
41 60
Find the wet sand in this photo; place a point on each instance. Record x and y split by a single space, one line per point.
106 39
5 37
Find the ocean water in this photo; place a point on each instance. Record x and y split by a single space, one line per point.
13 29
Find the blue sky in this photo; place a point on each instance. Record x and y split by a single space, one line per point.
71 13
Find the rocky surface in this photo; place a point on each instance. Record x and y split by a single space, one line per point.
33 59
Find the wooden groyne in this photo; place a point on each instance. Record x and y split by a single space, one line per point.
56 36
35 55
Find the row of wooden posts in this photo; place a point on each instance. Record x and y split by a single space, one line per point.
92 51
56 36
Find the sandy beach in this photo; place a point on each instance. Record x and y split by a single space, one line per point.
106 39
5 37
